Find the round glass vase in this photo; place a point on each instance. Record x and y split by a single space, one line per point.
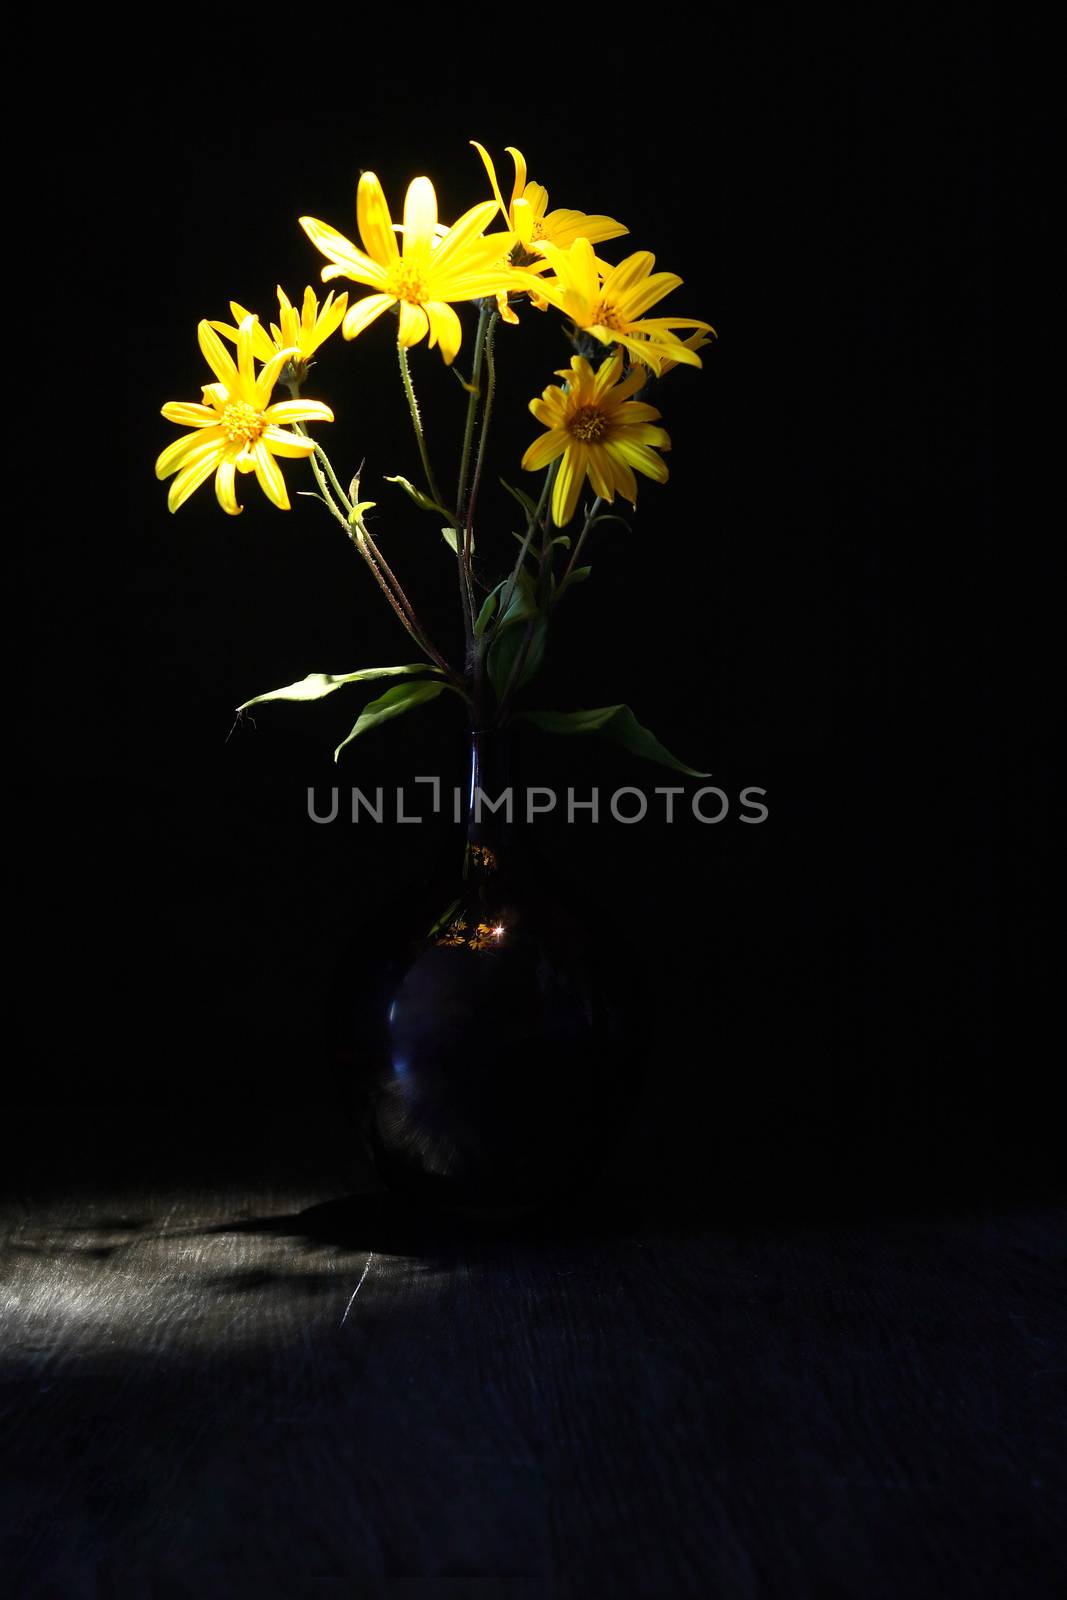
484 1048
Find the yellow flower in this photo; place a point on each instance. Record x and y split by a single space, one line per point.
427 274
237 430
527 216
610 304
695 341
599 431
304 330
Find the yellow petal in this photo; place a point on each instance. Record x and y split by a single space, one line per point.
281 443
224 486
600 474
564 227
545 449
192 475
363 312
269 376
568 485
217 356
487 162
520 172
420 218
344 255
333 312
413 324
625 482
463 233
607 374
245 364
189 415
190 447
260 342
283 412
644 459
446 329
375 223
269 475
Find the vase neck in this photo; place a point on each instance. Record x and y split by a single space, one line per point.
491 800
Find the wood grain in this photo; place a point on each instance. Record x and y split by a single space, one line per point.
210 1391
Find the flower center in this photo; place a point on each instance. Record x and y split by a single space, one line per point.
243 421
406 282
606 316
588 424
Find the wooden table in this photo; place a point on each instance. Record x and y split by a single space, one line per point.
220 1388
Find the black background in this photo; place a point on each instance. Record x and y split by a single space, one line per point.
812 605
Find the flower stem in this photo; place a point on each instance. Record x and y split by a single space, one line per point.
416 420
490 390
532 523
597 503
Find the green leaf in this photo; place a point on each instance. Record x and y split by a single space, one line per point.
528 505
523 602
611 722
393 703
319 684
423 501
452 540
578 575
504 652
486 613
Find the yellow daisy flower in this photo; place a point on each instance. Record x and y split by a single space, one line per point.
611 304
527 216
304 330
237 430
424 274
600 433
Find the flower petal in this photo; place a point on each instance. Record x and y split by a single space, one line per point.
643 458
413 324
283 412
363 312
217 356
269 375
568 485
190 447
601 476
192 475
446 330
189 415
282 443
346 258
270 477
224 486
374 221
420 218
545 449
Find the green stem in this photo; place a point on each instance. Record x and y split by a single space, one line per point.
472 405
597 503
532 523
490 390
416 420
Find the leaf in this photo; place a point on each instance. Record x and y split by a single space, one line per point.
486 613
423 501
528 505
393 703
505 650
578 575
611 722
523 602
451 538
609 516
319 684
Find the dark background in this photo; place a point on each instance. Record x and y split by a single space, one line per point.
813 605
